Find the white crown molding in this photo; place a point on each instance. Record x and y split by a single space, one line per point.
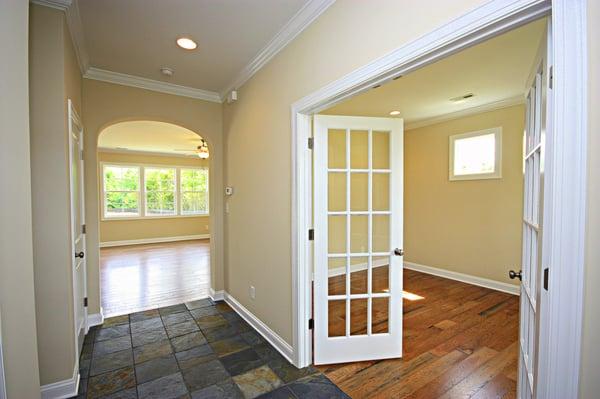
140 152
509 102
149 84
77 37
300 21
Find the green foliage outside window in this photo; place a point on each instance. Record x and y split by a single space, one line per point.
160 191
121 185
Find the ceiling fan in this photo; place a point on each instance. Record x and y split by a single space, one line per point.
201 150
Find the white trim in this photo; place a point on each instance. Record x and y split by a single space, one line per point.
486 21
300 21
3 394
150 84
152 153
358 267
56 4
271 336
479 109
96 319
154 240
216 295
465 278
496 173
77 36
62 389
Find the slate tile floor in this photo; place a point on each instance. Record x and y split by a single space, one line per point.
199 349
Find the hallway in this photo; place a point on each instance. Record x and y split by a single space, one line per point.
141 277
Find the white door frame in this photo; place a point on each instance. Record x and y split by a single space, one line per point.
564 191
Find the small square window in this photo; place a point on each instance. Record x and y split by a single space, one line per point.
476 155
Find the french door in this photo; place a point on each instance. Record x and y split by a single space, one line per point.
358 193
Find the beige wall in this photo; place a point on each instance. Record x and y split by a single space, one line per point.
348 35
105 104
17 298
139 229
470 226
54 77
590 363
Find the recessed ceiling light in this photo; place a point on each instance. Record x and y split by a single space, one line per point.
186 43
394 113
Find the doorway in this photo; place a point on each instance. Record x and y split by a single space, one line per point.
154 216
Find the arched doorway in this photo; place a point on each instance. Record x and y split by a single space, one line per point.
153 216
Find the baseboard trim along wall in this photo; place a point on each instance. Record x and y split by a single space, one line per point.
95 319
216 295
153 240
465 278
62 389
271 336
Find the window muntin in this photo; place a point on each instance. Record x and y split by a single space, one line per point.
194 191
121 191
159 191
476 155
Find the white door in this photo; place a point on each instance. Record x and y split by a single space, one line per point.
358 175
532 236
77 225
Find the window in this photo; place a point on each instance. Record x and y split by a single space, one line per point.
137 191
121 191
476 155
194 191
160 193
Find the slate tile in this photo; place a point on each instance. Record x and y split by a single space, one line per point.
219 333
287 372
172 309
200 303
175 318
130 393
232 317
187 341
144 315
113 381
240 362
84 367
156 368
214 321
167 387
201 312
253 338
151 351
83 384
228 346
223 390
257 382
148 337
195 356
317 387
86 351
146 325
110 362
114 321
280 393
204 375
186 327
223 307
266 351
112 332
112 345
241 326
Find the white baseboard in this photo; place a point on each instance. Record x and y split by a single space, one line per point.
96 319
153 240
62 389
216 295
465 278
271 336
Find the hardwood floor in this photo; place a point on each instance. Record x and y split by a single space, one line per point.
460 341
142 277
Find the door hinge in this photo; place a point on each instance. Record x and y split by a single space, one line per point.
85 302
311 234
81 155
83 229
311 324
551 77
546 271
311 143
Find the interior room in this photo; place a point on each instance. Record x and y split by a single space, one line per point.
154 225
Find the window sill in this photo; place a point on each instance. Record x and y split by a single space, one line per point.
110 219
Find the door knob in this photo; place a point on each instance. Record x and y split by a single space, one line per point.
399 252
79 254
512 274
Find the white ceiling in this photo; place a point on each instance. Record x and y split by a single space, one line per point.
495 71
137 37
149 136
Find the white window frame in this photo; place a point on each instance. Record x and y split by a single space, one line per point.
175 189
142 193
496 174
180 191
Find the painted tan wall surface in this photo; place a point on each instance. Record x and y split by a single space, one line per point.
257 128
590 349
54 77
120 230
105 104
471 226
17 298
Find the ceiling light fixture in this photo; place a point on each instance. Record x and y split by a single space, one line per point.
186 43
167 71
394 113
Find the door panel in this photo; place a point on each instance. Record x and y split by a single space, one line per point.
358 222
